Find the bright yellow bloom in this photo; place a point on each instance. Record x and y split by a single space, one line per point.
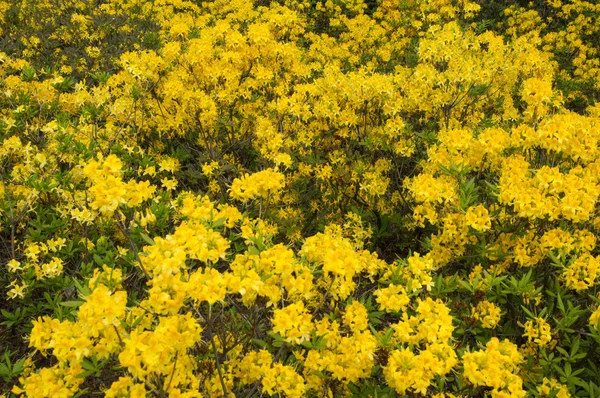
488 313
495 367
539 332
392 298
264 184
293 322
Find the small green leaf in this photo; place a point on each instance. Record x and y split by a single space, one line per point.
146 238
73 303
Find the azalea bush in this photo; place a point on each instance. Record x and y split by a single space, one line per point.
299 198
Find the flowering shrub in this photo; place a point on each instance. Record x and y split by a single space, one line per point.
299 198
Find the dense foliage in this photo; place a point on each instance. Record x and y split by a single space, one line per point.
299 198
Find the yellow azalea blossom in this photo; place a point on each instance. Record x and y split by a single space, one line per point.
17 290
169 184
495 367
487 313
14 265
293 323
538 332
264 184
595 318
392 298
552 386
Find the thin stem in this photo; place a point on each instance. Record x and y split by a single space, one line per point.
125 232
211 336
172 373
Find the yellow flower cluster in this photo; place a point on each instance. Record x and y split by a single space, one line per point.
568 134
432 328
346 356
276 378
417 272
428 189
392 298
270 274
339 261
538 332
108 191
551 387
496 367
595 319
487 313
478 218
548 192
537 93
461 147
95 333
147 354
397 162
293 322
282 379
407 371
126 387
266 184
55 381
201 209
582 273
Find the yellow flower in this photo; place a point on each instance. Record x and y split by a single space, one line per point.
392 298
582 273
284 380
209 168
539 332
478 218
52 269
356 317
125 387
495 367
169 184
264 184
595 318
169 164
150 170
293 323
488 313
17 290
14 266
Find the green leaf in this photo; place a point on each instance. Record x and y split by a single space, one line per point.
72 303
219 223
137 321
260 342
253 250
85 374
88 365
84 290
98 260
529 313
146 238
